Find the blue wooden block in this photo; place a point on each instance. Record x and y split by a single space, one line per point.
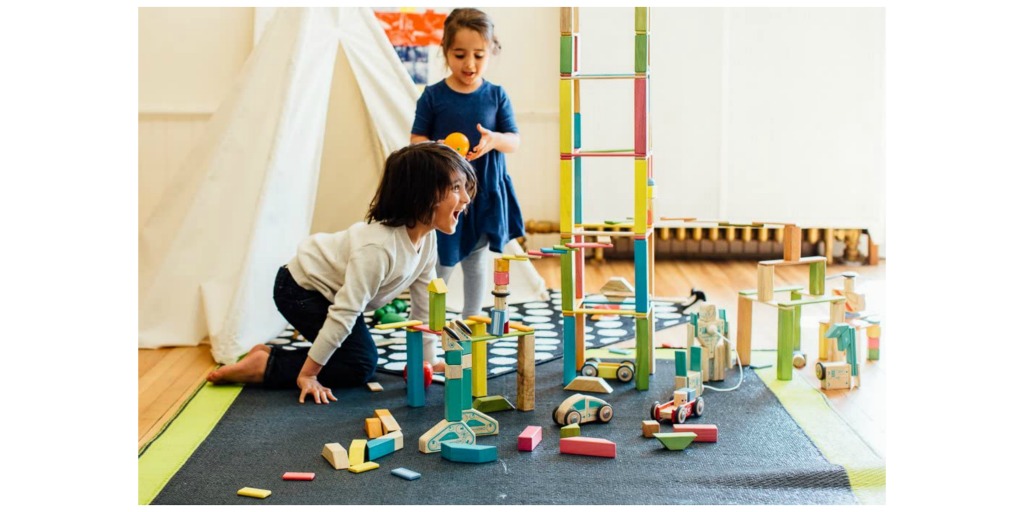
414 392
377 448
407 474
472 453
499 317
568 349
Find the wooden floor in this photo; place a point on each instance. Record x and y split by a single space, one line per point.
168 377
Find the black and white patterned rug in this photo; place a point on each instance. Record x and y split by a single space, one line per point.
544 317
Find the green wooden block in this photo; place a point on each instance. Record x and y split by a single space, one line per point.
620 351
695 358
486 404
796 321
437 307
872 354
817 284
784 354
571 430
641 20
640 53
643 354
566 55
681 363
676 440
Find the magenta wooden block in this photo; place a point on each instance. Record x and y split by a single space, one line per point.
529 439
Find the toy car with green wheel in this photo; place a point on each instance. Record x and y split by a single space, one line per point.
580 409
621 370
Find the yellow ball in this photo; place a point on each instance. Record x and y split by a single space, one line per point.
458 142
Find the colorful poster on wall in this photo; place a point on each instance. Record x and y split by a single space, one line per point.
416 35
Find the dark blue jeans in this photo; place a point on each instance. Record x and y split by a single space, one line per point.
353 364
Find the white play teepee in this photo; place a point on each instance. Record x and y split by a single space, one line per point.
246 195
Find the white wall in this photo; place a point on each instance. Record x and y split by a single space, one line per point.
770 114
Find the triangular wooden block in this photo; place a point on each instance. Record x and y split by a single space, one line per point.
592 384
489 404
336 455
676 440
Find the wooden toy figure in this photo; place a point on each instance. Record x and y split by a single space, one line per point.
716 354
846 340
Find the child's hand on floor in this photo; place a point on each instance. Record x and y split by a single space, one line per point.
312 387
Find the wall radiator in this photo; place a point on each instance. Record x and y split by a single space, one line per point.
728 243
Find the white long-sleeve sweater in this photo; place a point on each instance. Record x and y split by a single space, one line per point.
364 268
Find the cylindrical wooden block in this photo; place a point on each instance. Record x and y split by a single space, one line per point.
525 373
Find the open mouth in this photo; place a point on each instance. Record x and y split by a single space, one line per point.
455 215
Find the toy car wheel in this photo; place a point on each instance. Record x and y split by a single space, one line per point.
624 373
589 370
819 371
604 414
593 360
629 364
654 411
573 417
680 414
698 407
554 415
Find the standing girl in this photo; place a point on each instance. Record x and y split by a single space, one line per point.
335 277
466 103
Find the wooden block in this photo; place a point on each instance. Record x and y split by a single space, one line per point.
407 474
565 20
501 265
529 438
591 384
291 475
591 446
525 373
253 492
641 20
565 54
791 239
365 466
357 452
336 455
386 420
650 427
833 375
496 403
471 453
382 446
676 440
374 386
705 433
373 428
571 430
640 53
430 441
765 282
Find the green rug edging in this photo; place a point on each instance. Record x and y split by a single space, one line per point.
830 433
165 455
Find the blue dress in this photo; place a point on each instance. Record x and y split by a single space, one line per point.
494 211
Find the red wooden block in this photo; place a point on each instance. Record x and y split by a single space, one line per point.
298 476
530 438
705 433
587 446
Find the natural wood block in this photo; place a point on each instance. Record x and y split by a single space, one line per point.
591 384
336 455
374 386
387 420
650 427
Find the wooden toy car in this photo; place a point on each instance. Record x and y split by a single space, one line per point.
622 370
580 408
677 410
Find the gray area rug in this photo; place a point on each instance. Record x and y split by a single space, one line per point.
761 457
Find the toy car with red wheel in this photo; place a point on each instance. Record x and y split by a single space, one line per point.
580 409
621 370
677 410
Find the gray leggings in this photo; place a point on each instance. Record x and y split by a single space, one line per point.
474 282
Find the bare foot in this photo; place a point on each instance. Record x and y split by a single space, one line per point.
438 367
247 371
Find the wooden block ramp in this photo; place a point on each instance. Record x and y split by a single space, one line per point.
591 446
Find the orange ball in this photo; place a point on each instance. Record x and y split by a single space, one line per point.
458 142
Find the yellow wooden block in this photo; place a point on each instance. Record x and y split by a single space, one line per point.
357 452
365 466
639 196
500 265
253 492
566 195
437 286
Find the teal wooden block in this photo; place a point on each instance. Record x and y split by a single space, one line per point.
569 348
620 351
681 363
471 453
377 448
414 392
641 273
695 358
453 399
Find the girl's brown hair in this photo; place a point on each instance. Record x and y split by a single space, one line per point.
473 19
416 178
